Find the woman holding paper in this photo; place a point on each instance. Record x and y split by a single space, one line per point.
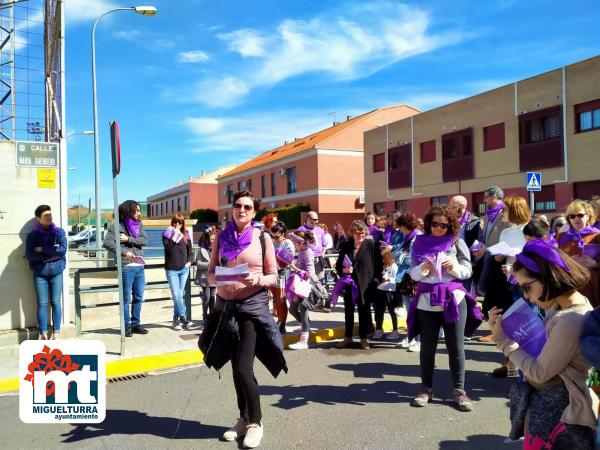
361 259
582 242
439 259
560 407
241 327
179 256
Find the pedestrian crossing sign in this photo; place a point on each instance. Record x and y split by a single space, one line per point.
533 181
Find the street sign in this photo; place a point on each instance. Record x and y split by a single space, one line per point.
36 154
47 178
533 181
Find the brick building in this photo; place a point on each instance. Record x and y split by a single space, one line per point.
324 170
196 193
548 123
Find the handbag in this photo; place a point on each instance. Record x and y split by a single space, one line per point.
317 296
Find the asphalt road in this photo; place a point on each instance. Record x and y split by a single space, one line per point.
330 399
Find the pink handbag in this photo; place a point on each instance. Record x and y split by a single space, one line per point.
300 287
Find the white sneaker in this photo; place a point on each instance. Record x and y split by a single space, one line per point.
302 343
393 335
254 433
403 343
441 334
414 346
378 334
176 325
236 431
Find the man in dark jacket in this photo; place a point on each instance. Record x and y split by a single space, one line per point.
132 238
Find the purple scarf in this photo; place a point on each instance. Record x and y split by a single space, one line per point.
493 213
408 238
170 232
428 245
231 244
550 240
387 233
46 232
346 280
578 236
375 232
464 218
442 294
542 249
133 227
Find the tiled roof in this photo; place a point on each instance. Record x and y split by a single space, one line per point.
296 146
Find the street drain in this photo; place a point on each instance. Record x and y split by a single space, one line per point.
127 378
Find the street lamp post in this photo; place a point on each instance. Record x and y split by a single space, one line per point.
146 11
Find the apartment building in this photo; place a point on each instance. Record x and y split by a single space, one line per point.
548 123
324 170
185 197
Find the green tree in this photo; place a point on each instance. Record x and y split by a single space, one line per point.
205 215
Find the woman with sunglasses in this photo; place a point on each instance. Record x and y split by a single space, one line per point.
581 242
241 326
366 271
179 256
553 407
281 242
439 260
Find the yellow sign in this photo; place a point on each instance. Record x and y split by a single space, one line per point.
47 178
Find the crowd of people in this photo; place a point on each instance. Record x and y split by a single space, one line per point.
431 269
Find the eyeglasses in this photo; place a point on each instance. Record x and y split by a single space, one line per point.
580 215
443 226
526 287
240 206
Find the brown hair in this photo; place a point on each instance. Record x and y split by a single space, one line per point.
442 210
307 236
408 220
576 204
178 218
358 225
518 210
554 279
386 254
250 195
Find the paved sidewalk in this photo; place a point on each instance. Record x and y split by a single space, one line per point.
163 348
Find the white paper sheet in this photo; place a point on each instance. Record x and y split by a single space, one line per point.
231 275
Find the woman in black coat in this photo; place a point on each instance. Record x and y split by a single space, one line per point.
366 271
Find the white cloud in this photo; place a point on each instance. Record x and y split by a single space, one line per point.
128 35
193 56
245 136
360 42
85 10
220 92
247 42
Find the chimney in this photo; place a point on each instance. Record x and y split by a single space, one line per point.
285 142
348 118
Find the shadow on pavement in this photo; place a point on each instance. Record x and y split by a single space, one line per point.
480 441
139 423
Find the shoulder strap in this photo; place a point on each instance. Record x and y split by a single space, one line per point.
263 247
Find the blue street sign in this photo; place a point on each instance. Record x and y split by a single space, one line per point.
533 181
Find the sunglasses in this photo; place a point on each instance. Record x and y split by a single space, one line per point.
443 226
240 206
580 215
313 220
526 287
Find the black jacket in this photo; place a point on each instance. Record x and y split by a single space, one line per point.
223 320
177 255
469 232
367 266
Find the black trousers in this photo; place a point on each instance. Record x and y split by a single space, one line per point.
429 328
365 322
242 361
389 300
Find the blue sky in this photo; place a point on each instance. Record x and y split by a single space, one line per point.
208 83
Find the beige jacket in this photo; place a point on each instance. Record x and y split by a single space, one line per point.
561 356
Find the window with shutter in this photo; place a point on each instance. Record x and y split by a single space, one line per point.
540 139
399 167
493 137
427 151
457 155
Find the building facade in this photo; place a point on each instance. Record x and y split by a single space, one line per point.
323 170
184 198
548 123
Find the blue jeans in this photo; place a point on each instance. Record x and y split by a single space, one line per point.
177 280
133 283
48 287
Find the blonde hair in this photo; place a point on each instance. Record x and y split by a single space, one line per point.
518 210
587 208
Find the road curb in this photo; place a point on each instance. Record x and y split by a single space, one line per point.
143 364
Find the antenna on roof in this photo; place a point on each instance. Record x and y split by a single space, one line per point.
332 114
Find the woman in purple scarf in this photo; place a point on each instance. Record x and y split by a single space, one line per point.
45 249
132 238
439 259
582 243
